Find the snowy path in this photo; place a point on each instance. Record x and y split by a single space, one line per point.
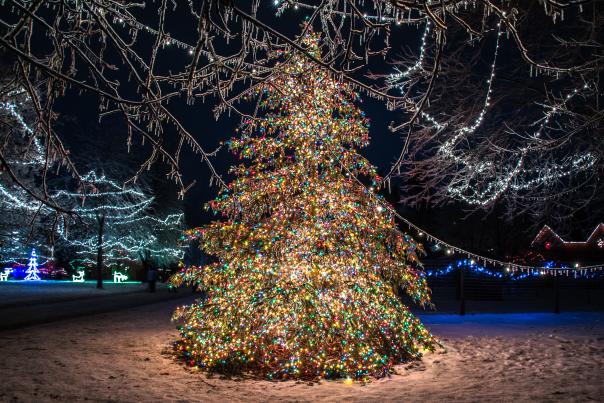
20 293
118 357
45 303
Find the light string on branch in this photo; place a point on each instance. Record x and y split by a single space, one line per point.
10 200
399 80
251 70
12 107
516 178
394 78
126 247
396 18
18 208
16 249
169 40
122 207
122 210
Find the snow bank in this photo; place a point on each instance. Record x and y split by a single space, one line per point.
125 356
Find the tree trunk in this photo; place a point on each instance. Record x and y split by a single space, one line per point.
99 255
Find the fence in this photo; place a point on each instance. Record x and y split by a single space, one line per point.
462 291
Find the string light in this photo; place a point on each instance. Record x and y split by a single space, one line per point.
16 246
398 80
383 18
134 24
32 267
16 203
4 275
78 278
451 249
12 108
119 277
12 104
393 79
123 209
509 267
517 177
472 266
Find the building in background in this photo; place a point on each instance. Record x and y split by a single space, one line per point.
553 247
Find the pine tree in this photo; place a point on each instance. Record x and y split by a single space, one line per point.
309 259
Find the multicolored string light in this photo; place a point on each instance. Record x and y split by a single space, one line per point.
309 264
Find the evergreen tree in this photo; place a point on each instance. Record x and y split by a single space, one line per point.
309 261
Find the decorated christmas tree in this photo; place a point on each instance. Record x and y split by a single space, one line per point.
309 260
32 267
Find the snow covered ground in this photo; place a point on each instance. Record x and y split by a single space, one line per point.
124 356
25 303
15 293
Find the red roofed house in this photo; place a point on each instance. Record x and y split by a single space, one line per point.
552 246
